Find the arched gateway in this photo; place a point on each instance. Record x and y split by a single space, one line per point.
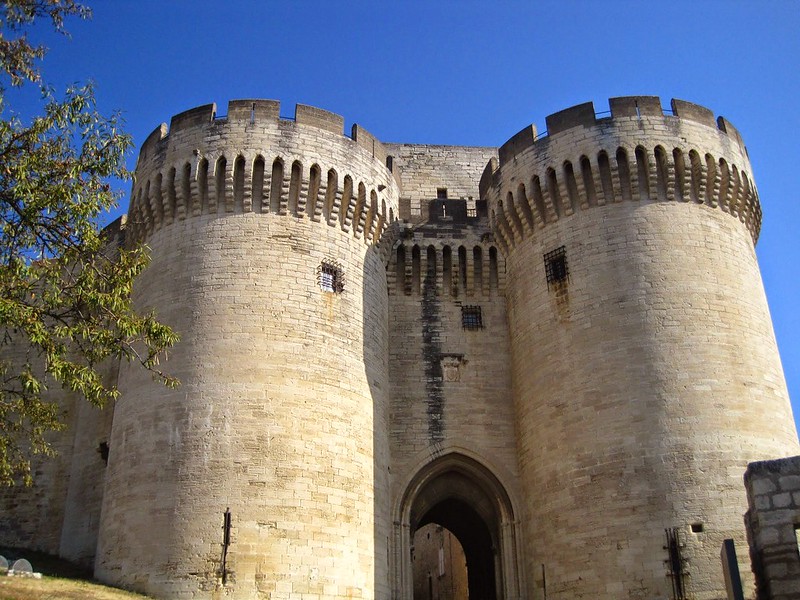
465 497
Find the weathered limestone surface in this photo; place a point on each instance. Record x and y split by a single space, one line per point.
425 169
557 350
282 412
648 378
773 521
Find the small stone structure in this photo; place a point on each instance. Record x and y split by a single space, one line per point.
773 526
558 349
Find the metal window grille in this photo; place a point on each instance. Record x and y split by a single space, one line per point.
471 317
330 277
555 266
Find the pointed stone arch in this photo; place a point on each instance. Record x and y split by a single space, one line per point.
465 496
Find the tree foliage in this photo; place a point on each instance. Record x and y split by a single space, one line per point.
65 288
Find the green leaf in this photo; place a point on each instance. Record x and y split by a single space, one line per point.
65 291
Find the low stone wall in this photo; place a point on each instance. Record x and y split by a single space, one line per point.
773 520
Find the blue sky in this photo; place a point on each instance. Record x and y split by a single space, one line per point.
465 72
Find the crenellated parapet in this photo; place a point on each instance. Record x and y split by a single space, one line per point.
253 161
636 152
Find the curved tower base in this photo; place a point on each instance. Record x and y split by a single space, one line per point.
646 374
265 262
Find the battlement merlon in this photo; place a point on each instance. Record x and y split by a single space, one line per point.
204 163
633 152
584 115
258 112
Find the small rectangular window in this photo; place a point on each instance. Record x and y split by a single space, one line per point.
555 266
441 193
330 277
471 317
797 535
328 281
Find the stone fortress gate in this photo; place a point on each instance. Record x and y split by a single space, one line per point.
552 358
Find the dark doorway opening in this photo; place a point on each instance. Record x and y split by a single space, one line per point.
469 517
475 539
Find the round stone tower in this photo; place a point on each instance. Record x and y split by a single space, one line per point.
265 472
645 370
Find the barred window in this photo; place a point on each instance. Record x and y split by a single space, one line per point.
555 266
471 317
330 277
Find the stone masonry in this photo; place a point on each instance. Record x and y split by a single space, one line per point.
557 351
773 522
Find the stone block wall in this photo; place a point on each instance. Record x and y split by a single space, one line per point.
33 517
86 479
556 356
449 370
452 382
264 235
773 522
439 565
423 170
59 513
646 373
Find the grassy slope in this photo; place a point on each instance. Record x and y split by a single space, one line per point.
55 588
62 581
